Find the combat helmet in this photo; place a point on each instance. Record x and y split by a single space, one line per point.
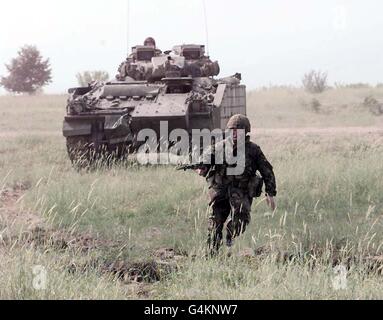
239 121
150 42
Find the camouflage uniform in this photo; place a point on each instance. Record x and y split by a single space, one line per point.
232 195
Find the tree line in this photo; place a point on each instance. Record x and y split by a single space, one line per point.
29 72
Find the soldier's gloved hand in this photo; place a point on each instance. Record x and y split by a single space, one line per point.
271 202
202 172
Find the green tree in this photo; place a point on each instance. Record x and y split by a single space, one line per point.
87 77
28 72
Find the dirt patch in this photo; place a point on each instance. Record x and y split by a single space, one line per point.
373 264
140 289
166 254
9 196
10 213
147 271
136 274
165 261
59 240
152 233
35 233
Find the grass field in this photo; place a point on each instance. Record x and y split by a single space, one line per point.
140 233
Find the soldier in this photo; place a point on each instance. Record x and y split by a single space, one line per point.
150 42
232 196
128 67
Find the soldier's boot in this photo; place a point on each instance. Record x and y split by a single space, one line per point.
229 242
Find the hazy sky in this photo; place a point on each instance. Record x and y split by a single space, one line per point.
269 42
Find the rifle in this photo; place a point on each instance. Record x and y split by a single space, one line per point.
195 166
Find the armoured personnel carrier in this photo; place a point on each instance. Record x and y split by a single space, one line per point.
178 86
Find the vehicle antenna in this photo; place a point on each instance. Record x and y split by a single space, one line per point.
206 26
128 26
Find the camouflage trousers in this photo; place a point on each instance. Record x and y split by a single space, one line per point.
232 205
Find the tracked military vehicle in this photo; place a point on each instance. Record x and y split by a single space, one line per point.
178 86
